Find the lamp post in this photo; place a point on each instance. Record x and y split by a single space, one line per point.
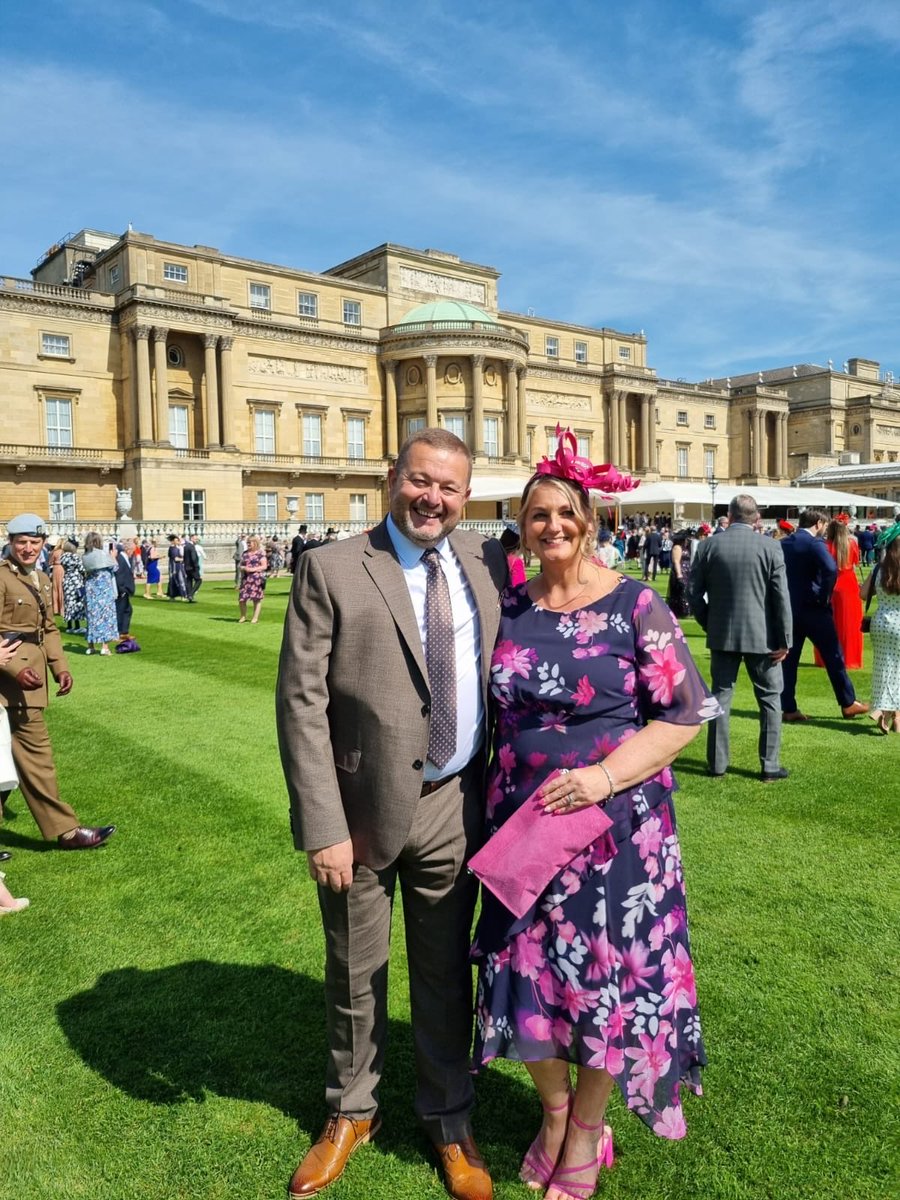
713 484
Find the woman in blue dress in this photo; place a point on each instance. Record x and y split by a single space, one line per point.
99 595
591 676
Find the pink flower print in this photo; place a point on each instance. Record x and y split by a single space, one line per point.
634 968
670 1124
553 721
675 920
576 1000
603 957
571 883
648 837
615 1060
651 1061
536 760
494 796
589 625
569 760
598 1058
527 956
615 1026
562 1032
644 600
507 759
547 986
539 1027
584 693
656 936
513 659
680 990
662 674
567 932
590 651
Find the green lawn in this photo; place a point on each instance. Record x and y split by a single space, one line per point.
161 1013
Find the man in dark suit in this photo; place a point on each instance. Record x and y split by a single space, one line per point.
652 550
124 586
811 575
191 568
383 755
298 545
739 596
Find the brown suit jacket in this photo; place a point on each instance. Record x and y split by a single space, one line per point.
21 612
353 698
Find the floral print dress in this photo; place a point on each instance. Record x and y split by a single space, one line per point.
599 971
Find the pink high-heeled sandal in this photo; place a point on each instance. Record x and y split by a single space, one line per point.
536 1159
576 1190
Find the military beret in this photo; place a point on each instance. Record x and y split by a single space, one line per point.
28 523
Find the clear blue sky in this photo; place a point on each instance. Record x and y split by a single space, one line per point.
723 174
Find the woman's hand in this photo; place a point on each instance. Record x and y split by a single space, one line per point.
576 789
8 651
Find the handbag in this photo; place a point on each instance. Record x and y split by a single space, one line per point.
532 846
866 623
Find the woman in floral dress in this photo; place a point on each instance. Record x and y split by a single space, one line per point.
591 675
74 610
99 595
253 579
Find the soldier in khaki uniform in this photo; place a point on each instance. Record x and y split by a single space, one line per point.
26 617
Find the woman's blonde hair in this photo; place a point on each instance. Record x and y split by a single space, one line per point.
839 536
577 498
253 542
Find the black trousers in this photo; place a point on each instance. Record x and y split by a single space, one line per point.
817 624
123 612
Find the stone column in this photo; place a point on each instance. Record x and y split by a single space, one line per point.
612 428
512 413
748 435
390 400
477 404
868 454
161 381
431 411
645 432
763 456
784 444
622 399
522 373
654 444
779 444
141 335
228 414
754 443
210 341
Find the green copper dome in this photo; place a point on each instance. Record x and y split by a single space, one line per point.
447 310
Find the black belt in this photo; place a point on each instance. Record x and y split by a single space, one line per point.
432 785
16 635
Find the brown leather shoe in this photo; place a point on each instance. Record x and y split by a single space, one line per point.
796 715
325 1160
465 1174
85 838
856 709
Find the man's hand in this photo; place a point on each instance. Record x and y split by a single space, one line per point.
29 680
778 655
65 681
332 866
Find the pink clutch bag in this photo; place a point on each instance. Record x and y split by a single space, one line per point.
521 858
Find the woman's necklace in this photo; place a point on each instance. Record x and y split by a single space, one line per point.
570 600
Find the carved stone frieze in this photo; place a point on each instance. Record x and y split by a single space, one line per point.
447 342
312 372
181 318
442 285
558 401
61 308
270 333
888 431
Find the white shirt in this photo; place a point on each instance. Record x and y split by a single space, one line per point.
467 634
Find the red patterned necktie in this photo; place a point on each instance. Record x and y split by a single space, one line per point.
440 658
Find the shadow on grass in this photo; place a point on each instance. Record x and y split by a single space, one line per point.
249 1032
13 839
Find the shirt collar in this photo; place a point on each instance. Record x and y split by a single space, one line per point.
407 551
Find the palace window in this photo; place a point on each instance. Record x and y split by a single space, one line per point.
492 437
315 506
681 417
267 506
61 505
709 420
193 502
260 296
624 352
709 462
414 424
681 459
114 275
264 431
551 347
359 506
584 446
356 437
352 311
59 421
175 273
457 426
307 304
56 345
581 352
312 434
178 426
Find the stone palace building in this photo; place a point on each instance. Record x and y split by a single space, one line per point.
213 388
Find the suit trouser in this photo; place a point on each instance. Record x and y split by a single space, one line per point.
37 774
124 611
817 624
651 562
438 906
193 583
766 677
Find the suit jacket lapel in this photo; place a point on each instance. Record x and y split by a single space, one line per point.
387 575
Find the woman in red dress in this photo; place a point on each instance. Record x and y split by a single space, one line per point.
845 599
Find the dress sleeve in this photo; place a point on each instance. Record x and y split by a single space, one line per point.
669 686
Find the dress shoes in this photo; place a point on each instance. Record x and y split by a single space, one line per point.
465 1174
85 838
5 855
856 709
774 776
795 717
325 1160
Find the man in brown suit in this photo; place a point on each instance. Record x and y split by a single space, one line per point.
363 723
26 617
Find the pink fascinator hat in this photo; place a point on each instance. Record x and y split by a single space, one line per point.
568 464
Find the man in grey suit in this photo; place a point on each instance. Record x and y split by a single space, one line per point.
739 595
382 695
